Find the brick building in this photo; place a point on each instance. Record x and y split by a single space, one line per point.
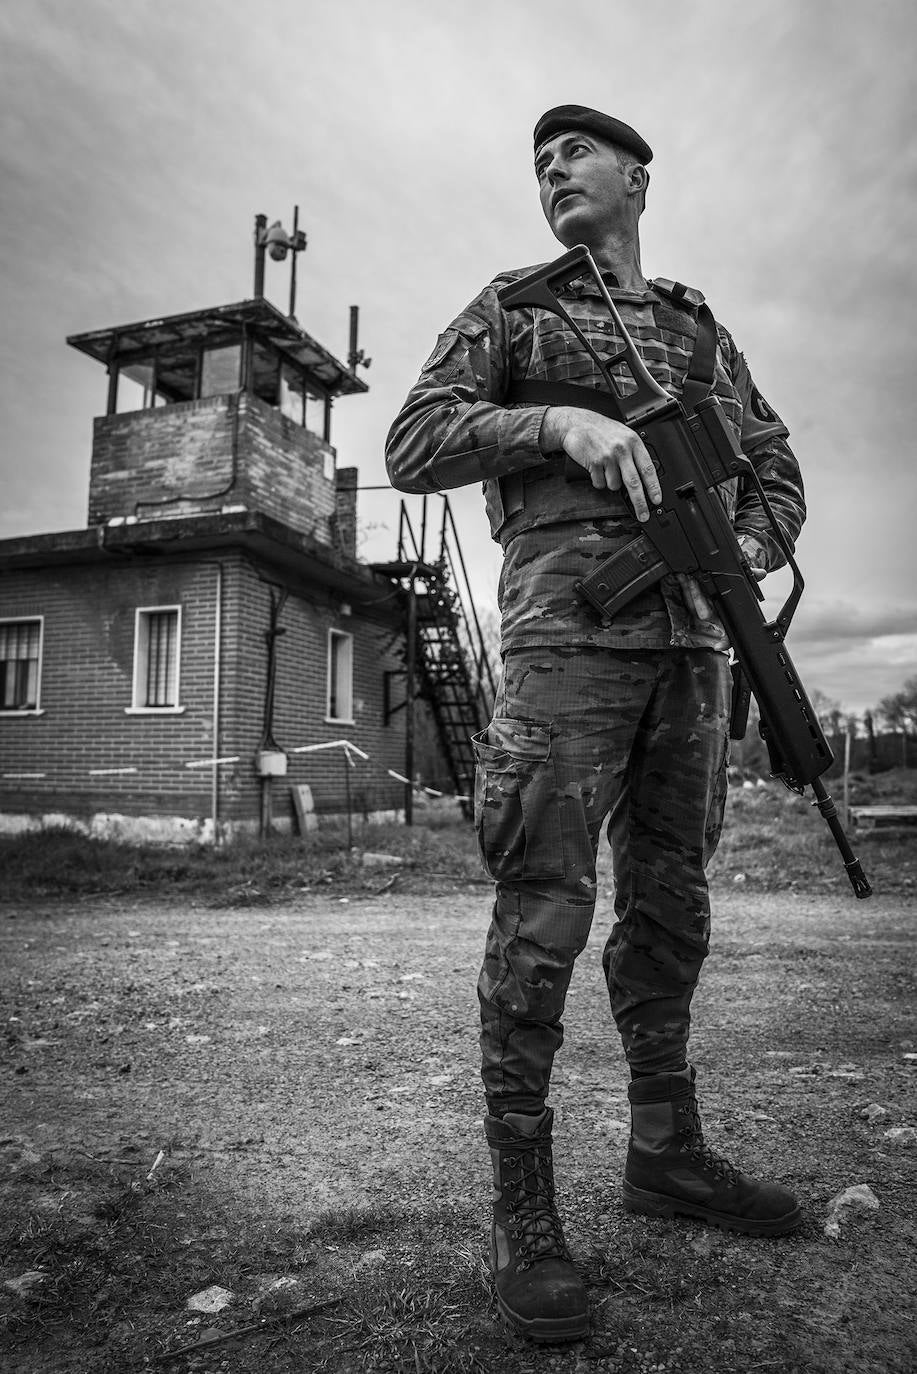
178 667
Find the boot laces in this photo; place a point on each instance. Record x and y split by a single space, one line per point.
534 1223
693 1143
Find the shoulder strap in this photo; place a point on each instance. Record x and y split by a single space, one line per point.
697 385
702 365
701 368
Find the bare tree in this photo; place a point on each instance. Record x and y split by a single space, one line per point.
900 713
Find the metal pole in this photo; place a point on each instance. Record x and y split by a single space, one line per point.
267 809
293 255
260 226
217 654
354 327
349 804
410 666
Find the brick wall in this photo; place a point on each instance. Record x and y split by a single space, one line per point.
197 456
86 688
346 516
148 461
300 703
87 675
282 471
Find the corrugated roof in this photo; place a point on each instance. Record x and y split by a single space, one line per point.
125 341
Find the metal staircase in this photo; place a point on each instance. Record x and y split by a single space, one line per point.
446 659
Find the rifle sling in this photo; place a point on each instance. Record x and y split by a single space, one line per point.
697 384
546 393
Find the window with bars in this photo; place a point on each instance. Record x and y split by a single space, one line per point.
20 664
340 676
157 650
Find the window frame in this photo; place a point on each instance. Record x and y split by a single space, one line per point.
18 712
213 347
152 397
340 637
141 663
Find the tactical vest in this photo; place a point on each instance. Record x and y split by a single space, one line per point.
680 350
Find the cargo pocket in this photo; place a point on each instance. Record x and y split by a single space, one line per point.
516 802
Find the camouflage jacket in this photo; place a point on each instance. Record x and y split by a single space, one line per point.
456 428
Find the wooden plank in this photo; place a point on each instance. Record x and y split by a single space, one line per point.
304 806
875 817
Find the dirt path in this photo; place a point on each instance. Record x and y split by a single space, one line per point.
323 1054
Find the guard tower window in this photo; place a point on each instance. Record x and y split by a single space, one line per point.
137 389
265 379
20 664
303 402
219 352
292 393
317 419
176 376
220 370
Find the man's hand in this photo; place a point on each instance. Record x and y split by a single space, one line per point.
699 604
612 453
695 600
755 555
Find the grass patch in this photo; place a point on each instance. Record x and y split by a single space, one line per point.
61 863
403 1326
774 839
119 1255
771 839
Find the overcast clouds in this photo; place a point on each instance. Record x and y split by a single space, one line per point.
140 138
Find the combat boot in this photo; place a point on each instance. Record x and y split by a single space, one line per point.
671 1169
539 1291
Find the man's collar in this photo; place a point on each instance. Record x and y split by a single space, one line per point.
673 293
585 286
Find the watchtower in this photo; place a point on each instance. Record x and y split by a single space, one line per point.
224 409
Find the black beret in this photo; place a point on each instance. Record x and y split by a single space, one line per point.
565 117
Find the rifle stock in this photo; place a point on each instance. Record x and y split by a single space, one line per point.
691 533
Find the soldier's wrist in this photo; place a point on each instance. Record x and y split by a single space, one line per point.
754 550
553 430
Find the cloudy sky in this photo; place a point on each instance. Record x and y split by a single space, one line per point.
140 137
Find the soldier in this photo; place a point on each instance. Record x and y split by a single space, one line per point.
625 723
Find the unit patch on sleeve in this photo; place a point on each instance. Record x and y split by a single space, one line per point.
761 409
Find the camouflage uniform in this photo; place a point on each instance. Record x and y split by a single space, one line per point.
626 721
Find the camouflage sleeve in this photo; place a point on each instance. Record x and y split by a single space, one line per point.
764 442
452 428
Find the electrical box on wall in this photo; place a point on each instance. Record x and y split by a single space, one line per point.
271 763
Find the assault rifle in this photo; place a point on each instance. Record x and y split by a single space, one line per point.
690 533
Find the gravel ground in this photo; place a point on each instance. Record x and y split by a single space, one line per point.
322 1054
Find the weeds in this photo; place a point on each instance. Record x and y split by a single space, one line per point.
60 864
120 1256
346 1225
97 1242
772 838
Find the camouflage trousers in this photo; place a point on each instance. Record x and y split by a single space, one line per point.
581 736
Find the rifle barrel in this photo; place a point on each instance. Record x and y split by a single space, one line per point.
854 868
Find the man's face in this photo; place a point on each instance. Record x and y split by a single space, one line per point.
582 189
